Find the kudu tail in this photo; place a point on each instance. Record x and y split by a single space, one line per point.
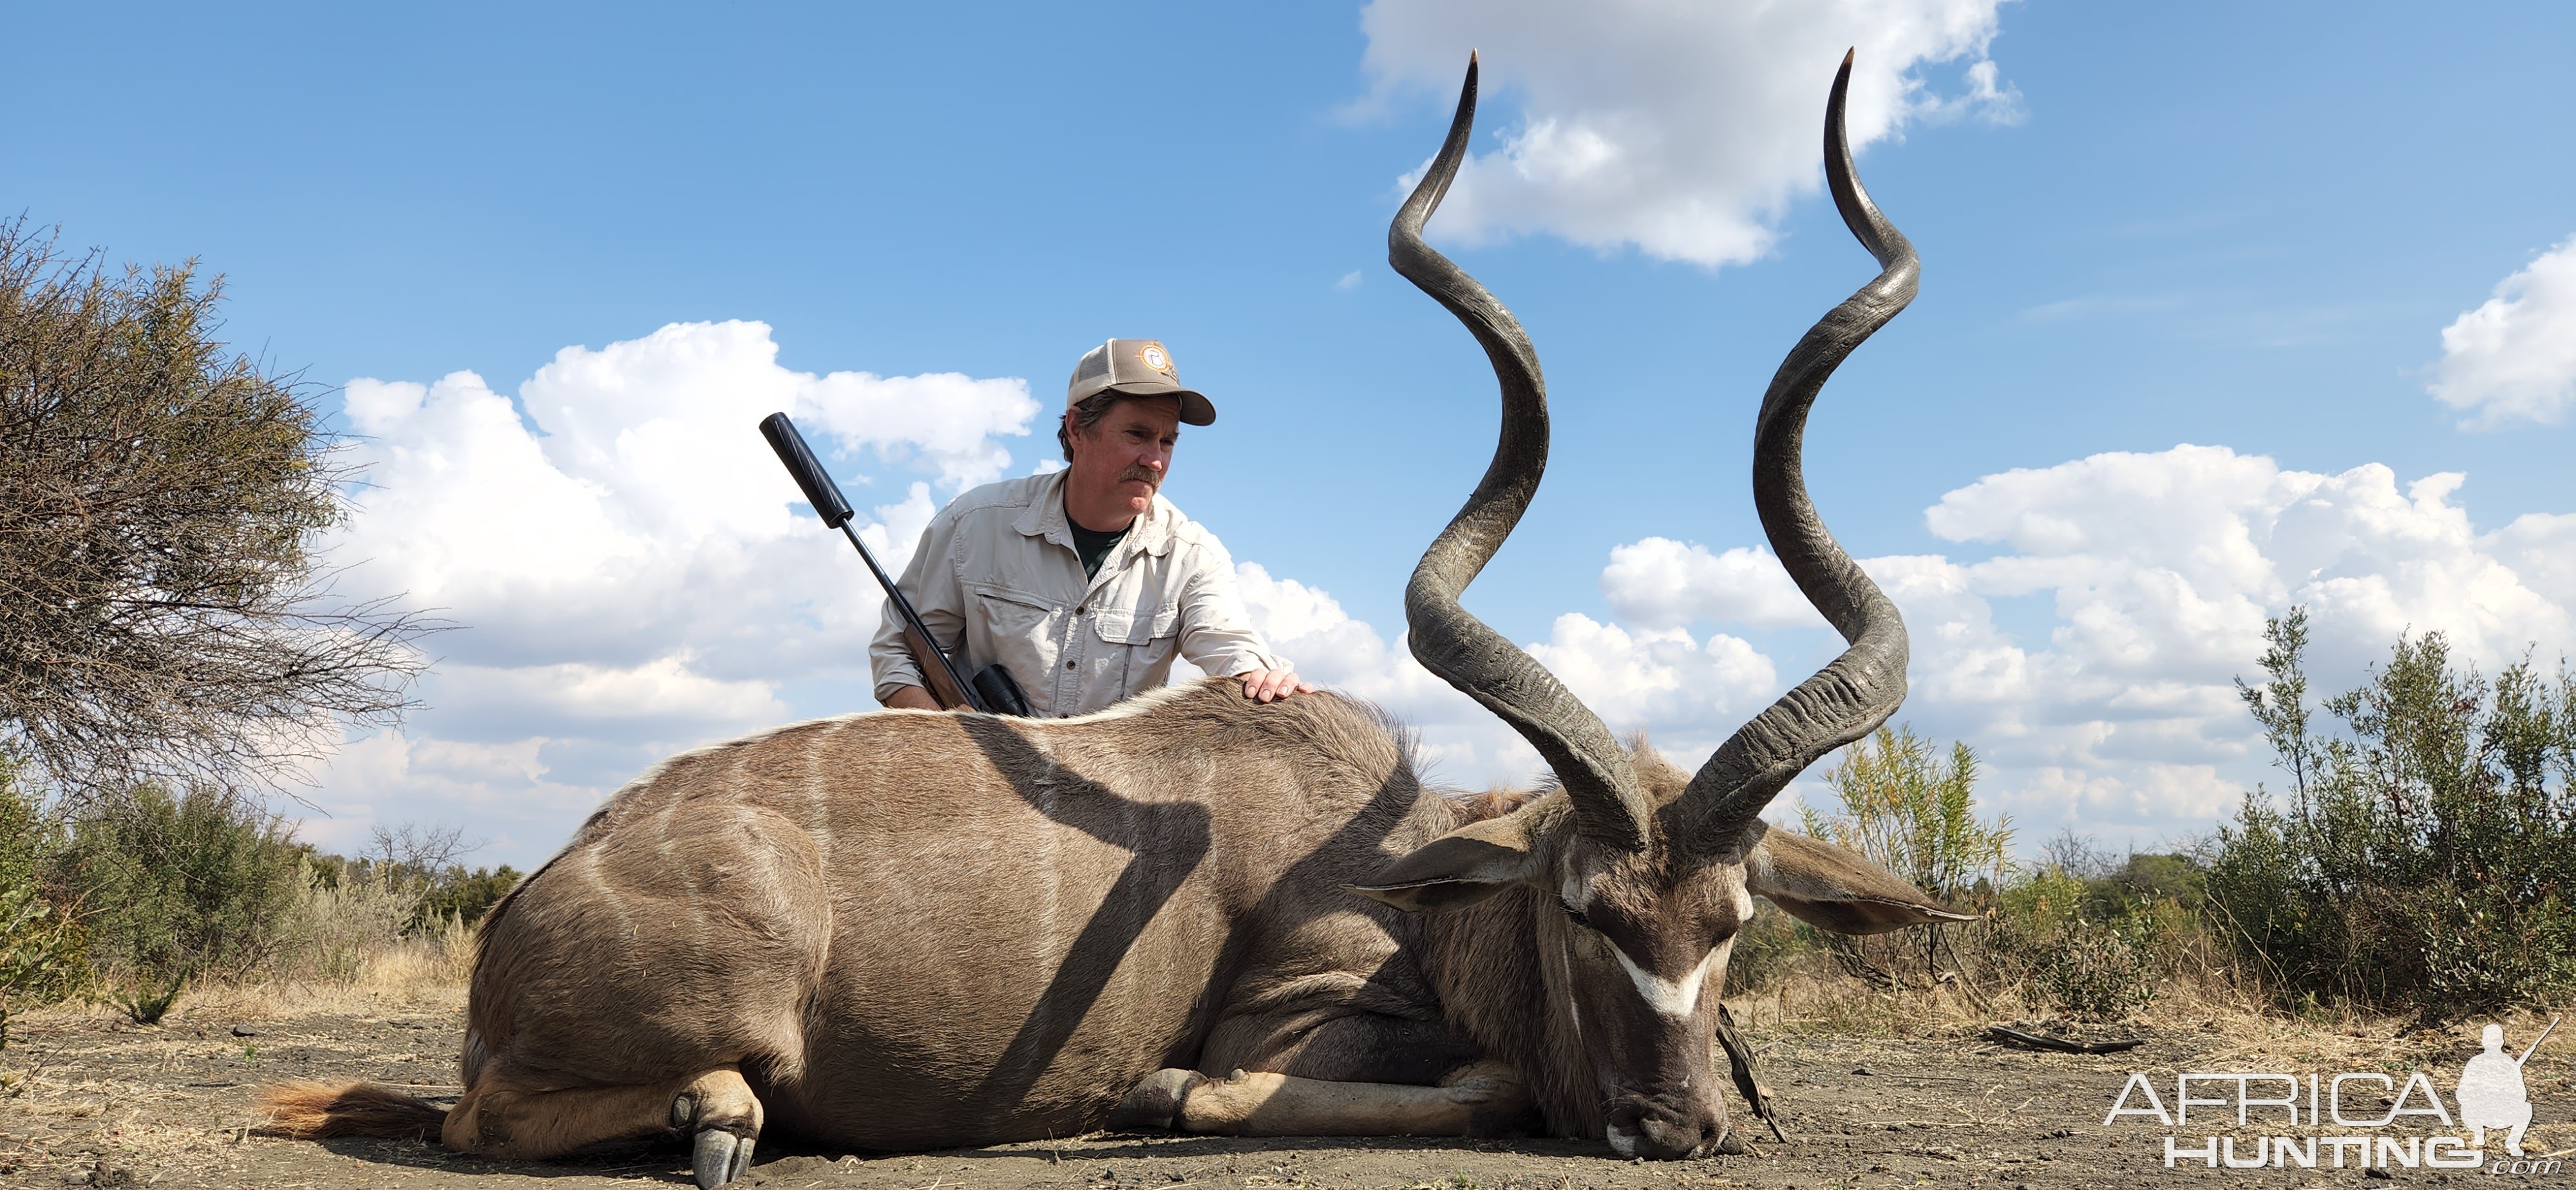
310 1110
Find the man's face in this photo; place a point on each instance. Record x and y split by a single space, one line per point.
1122 461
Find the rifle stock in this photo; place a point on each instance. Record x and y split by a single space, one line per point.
938 678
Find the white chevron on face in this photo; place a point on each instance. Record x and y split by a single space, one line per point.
1673 999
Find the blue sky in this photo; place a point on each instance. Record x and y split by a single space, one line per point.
2241 228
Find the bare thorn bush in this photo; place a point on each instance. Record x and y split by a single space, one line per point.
163 616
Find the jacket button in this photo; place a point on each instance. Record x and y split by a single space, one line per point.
1068 665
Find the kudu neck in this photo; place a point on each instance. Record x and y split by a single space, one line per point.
1500 969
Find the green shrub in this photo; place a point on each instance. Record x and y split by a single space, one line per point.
1767 948
342 915
2419 860
1909 810
43 956
1912 814
2101 970
465 896
2090 937
2080 933
174 888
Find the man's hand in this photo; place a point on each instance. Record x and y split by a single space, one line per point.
1263 685
912 698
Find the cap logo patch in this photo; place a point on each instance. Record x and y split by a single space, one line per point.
1155 358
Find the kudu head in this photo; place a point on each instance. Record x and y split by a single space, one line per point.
1644 874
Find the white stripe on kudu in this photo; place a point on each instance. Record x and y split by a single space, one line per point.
1663 995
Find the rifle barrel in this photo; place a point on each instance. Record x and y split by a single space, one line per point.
2535 1043
828 503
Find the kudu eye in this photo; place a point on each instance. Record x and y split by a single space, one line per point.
1573 914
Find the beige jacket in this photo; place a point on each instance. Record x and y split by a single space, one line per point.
998 567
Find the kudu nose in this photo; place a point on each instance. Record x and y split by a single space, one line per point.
1664 1132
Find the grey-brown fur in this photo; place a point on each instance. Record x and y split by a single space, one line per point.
909 930
915 930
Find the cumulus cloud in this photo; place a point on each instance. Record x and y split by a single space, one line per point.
1460 741
633 577
634 512
2164 565
1681 129
1678 687
1661 583
2085 638
623 555
2142 582
1685 692
2514 358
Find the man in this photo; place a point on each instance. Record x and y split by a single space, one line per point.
1085 583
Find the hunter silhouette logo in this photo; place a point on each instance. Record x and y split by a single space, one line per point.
2491 1091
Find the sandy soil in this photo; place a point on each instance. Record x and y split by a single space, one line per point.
92 1100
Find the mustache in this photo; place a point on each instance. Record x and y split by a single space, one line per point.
1151 477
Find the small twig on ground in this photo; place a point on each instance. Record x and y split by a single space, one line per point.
2041 1041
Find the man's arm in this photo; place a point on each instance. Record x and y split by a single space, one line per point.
929 580
1217 636
910 698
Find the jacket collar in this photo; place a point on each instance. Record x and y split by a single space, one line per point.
1044 517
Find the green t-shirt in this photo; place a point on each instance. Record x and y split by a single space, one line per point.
1094 547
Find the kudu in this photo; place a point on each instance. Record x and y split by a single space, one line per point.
908 930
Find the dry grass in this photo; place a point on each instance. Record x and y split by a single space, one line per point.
176 1095
84 1079
359 932
358 964
2243 1028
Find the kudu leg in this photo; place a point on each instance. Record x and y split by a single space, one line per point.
500 1120
1485 1099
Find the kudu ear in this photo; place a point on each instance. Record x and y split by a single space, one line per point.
1460 868
1833 888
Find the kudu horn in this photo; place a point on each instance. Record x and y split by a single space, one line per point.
1608 804
1849 698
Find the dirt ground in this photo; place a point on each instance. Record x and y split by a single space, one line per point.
91 1100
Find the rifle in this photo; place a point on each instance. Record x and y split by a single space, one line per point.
993 691
2535 1042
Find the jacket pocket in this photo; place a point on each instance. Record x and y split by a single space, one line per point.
1130 628
1138 647
1020 632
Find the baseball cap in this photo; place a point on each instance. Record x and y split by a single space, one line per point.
1138 368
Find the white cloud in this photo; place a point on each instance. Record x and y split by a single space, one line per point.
2156 572
2090 660
2514 358
502 794
1682 129
1687 693
633 579
1460 741
1675 686
624 561
1661 583
2164 565
637 513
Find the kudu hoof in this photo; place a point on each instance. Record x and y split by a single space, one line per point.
726 1119
1155 1104
719 1157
